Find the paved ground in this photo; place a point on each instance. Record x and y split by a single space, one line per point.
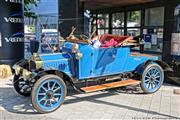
113 104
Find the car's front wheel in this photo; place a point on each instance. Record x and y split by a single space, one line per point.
48 93
152 78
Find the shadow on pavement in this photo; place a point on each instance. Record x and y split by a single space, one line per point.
14 103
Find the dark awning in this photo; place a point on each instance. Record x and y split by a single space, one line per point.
98 4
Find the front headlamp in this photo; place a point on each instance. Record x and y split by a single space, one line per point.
17 69
39 64
35 62
75 48
26 74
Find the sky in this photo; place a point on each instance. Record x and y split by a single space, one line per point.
46 7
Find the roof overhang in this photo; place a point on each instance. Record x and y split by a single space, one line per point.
100 4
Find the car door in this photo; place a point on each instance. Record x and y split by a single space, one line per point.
102 61
120 55
84 64
109 61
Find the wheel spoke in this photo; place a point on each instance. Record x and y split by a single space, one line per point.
44 98
57 94
157 77
156 81
157 74
148 85
41 93
56 89
146 80
153 71
53 85
54 100
48 86
44 88
147 76
45 103
149 73
50 103
153 85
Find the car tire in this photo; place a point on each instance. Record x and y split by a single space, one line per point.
152 78
48 93
18 86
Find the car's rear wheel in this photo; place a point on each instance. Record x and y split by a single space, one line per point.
152 78
21 86
48 93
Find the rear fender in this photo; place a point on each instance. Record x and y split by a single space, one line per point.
140 69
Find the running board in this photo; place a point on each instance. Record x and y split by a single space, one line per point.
110 85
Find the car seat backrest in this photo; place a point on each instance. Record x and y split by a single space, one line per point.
111 40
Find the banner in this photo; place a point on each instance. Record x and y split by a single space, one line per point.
12 31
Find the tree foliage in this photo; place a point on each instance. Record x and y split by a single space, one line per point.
27 9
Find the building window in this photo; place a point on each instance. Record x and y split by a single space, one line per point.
153 38
134 19
133 23
153 29
154 16
118 31
118 23
117 20
103 31
103 23
133 31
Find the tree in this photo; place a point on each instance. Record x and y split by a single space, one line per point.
27 8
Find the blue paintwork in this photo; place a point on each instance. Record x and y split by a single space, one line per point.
59 61
95 62
43 101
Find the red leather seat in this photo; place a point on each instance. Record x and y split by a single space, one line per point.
109 40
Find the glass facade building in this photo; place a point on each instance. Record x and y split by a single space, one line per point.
154 20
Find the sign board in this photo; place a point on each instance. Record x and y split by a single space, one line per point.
175 45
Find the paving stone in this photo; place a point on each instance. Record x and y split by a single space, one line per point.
113 104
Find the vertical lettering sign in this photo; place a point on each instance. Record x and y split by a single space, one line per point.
15 17
14 1
12 31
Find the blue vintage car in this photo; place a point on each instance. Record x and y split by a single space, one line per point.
106 60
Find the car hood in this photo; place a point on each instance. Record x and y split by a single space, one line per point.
54 56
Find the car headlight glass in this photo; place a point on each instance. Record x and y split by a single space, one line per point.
35 64
26 74
75 48
17 70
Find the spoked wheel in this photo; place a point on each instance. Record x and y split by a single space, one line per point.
21 86
48 93
152 78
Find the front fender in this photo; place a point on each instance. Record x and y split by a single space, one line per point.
61 74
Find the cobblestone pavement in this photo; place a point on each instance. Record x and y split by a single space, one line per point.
116 104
